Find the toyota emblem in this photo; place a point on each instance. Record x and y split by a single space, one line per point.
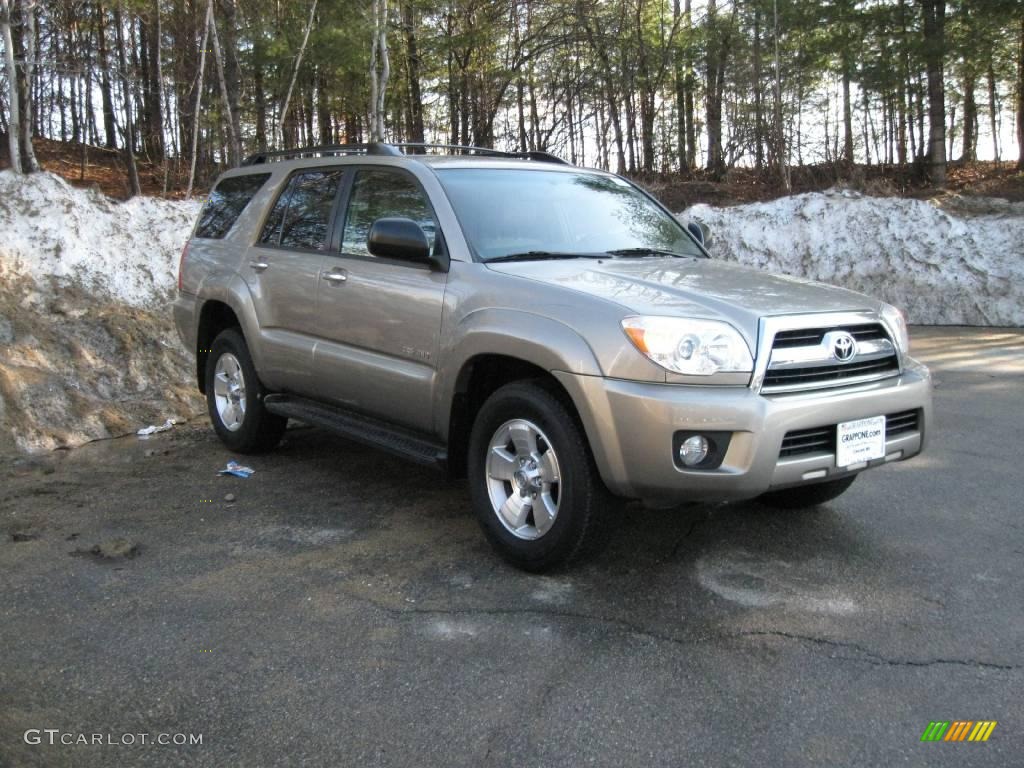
844 346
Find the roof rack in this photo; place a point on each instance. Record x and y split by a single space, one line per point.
326 150
392 150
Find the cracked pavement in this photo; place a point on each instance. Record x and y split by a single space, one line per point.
345 609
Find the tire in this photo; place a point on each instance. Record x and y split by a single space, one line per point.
242 423
557 495
804 496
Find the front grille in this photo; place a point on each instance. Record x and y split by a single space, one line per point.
801 360
824 374
808 337
816 440
901 423
800 442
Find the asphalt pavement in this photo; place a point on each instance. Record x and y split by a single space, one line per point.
345 610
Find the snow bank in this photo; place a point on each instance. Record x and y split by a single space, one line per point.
940 267
87 346
123 251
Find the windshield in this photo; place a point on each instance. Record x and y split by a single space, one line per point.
514 211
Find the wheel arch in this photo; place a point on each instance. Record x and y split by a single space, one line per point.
221 309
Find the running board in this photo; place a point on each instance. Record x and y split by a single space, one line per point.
362 429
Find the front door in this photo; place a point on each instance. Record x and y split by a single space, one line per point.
379 319
283 270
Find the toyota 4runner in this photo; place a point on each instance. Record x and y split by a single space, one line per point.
552 333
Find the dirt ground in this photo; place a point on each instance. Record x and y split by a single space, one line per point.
341 608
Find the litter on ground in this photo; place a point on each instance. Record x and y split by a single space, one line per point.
152 430
236 469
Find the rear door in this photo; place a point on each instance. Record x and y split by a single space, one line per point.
283 270
379 319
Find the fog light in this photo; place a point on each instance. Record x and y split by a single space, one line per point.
693 450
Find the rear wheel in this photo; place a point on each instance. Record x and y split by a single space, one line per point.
234 397
536 491
803 496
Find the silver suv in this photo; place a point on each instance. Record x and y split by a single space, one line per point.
552 333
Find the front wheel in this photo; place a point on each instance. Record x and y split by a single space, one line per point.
536 491
804 496
234 397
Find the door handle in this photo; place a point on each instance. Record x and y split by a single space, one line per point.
338 277
258 266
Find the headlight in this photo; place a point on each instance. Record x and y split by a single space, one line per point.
897 323
691 347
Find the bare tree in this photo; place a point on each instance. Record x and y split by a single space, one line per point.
934 40
234 140
295 73
13 127
380 69
199 100
1020 100
28 19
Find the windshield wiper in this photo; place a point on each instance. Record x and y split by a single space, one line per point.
645 252
540 255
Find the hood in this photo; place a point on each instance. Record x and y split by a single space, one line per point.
692 288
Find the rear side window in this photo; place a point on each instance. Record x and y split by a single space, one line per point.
226 203
301 217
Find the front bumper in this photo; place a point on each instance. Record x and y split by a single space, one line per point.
630 426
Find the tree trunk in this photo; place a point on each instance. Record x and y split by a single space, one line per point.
680 82
970 139
417 131
199 102
234 139
717 56
232 73
259 97
295 73
847 116
1020 99
993 110
14 126
380 69
714 104
28 48
934 12
109 127
134 187
758 108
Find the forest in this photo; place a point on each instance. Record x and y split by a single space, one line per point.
688 87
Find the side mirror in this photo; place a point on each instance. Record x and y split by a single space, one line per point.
398 238
701 232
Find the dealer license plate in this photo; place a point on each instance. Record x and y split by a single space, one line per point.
860 440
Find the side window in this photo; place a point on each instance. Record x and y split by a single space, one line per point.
377 194
301 216
226 203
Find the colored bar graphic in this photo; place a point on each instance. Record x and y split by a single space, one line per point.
959 730
935 730
982 730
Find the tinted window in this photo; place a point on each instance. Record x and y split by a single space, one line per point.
506 211
378 194
302 214
272 229
226 203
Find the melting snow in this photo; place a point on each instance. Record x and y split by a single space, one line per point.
941 267
125 251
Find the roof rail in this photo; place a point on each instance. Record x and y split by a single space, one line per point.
543 157
391 150
326 150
